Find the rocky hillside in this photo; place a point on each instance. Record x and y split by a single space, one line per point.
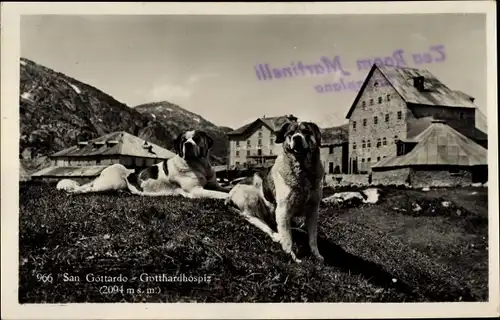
178 119
57 110
333 135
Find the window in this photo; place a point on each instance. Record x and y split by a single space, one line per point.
379 100
371 102
237 143
271 152
271 141
461 114
369 144
379 142
384 141
386 117
259 142
378 158
369 160
388 97
396 138
260 133
237 153
363 144
364 122
237 163
354 145
330 167
248 152
330 149
98 161
354 125
249 143
363 160
363 104
259 152
400 115
375 120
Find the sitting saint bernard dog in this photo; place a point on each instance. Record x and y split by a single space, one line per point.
290 188
189 173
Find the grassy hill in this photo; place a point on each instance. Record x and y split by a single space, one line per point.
373 253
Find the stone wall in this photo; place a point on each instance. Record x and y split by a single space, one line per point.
391 177
422 178
390 104
427 178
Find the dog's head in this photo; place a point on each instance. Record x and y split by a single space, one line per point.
299 137
193 144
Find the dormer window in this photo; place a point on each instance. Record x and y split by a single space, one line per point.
418 82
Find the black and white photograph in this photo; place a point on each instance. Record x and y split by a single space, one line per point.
206 157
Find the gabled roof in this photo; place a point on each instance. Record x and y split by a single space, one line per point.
273 123
70 171
116 143
435 93
439 144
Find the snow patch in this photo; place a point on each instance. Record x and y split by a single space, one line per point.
169 109
77 90
153 115
23 63
196 119
26 95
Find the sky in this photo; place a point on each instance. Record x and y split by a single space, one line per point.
207 64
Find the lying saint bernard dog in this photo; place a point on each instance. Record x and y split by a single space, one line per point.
189 173
290 188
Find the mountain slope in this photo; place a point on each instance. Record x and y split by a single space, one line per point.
334 135
56 111
177 119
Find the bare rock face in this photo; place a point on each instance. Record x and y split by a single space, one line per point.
56 111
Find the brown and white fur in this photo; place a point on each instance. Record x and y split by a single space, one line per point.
189 173
290 188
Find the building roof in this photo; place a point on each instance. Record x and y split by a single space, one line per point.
416 126
439 144
435 93
116 143
335 135
70 171
273 123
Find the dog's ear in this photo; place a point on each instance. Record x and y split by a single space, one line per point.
208 144
208 139
280 135
316 131
177 144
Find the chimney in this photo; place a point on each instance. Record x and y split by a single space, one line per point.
418 82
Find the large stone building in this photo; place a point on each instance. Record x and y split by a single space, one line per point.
87 159
254 143
397 104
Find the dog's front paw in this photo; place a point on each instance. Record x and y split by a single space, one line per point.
276 237
294 257
319 258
